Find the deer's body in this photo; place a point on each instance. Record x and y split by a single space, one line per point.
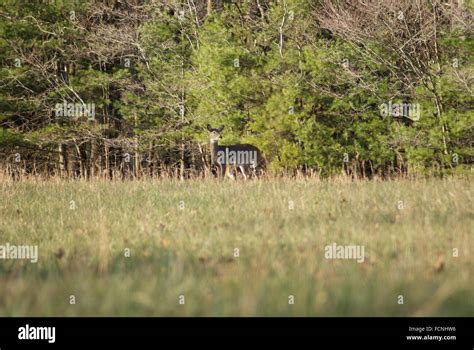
246 158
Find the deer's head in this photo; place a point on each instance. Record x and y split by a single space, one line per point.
214 134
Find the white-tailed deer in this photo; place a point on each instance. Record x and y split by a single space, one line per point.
228 159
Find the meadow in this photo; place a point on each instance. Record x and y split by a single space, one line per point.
236 248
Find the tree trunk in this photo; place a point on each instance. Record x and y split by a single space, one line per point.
107 161
137 154
209 7
93 158
62 160
70 161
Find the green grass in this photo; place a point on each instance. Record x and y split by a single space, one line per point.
190 251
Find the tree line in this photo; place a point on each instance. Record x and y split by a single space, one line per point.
125 88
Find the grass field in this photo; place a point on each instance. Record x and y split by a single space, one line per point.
133 248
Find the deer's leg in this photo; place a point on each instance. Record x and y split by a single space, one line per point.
229 172
219 170
222 171
242 169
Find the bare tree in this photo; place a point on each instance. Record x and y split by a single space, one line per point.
407 34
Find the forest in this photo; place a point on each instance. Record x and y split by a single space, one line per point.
125 88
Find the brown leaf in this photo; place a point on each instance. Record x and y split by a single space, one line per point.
59 253
439 264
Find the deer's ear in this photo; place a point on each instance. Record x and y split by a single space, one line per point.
209 127
220 128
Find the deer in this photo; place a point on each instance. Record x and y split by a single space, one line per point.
228 159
